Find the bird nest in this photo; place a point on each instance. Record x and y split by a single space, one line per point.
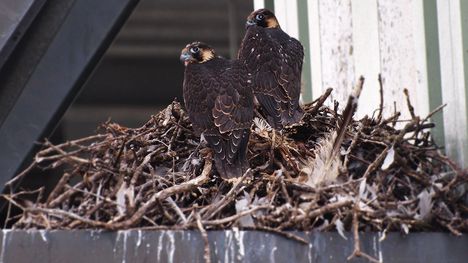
160 176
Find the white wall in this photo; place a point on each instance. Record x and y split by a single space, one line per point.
349 38
369 37
453 74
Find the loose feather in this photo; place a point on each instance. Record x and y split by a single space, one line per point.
325 168
348 114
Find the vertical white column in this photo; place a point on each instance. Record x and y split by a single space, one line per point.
315 48
366 52
453 80
258 4
286 13
402 55
421 91
336 48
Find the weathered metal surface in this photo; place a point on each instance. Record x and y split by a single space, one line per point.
226 246
336 36
315 44
367 38
431 35
15 17
366 51
65 58
303 18
402 55
454 77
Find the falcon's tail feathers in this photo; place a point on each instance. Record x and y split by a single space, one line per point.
227 170
236 165
295 118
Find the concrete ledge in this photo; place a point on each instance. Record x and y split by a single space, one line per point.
226 246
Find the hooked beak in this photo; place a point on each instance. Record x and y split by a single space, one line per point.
185 56
250 23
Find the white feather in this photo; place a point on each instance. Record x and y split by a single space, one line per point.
324 169
261 127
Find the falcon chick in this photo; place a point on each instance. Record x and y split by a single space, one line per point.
219 101
274 59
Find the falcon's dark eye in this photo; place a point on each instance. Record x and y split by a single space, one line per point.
259 17
194 49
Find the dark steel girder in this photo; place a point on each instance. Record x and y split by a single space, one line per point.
47 68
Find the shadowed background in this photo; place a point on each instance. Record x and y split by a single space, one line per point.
141 72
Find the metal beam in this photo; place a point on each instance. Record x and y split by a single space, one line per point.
303 17
48 67
431 31
270 4
464 25
453 42
15 17
225 246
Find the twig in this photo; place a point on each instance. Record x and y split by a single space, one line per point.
233 217
59 199
8 214
61 183
21 175
408 102
170 189
163 194
72 143
320 102
439 108
55 212
327 208
352 145
348 113
381 105
357 244
207 254
376 163
287 235
177 209
209 212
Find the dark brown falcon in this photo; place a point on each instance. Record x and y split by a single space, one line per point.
274 59
219 101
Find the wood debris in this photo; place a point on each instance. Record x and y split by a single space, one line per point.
159 176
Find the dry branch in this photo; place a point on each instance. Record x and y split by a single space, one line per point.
158 176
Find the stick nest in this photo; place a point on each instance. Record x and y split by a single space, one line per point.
159 176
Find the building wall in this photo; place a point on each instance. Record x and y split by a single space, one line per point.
419 45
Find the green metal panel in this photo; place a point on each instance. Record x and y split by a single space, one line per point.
270 4
464 27
464 24
304 38
433 67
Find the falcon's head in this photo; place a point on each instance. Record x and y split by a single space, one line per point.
196 52
263 18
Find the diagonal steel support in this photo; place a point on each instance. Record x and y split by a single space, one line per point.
47 68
